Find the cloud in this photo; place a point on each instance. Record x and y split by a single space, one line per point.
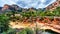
2 2
28 3
34 3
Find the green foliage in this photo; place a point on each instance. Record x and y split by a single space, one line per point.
9 13
26 31
4 33
56 12
28 14
4 20
29 31
11 31
22 32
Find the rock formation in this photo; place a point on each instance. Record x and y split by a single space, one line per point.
53 5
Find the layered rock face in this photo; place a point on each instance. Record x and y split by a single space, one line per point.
45 23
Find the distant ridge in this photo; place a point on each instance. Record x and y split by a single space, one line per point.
53 5
17 8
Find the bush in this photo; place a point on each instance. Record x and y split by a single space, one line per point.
11 31
4 22
26 31
22 32
29 31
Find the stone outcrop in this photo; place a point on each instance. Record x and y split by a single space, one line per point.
10 7
46 23
53 5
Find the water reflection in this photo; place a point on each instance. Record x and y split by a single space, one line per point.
46 32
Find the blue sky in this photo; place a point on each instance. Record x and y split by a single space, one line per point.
28 3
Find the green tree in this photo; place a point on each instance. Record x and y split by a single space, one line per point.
4 22
29 31
26 31
22 32
11 31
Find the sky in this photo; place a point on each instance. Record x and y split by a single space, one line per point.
28 3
